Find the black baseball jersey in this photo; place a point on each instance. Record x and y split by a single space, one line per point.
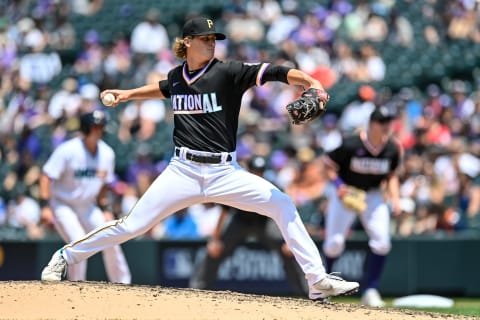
362 165
206 104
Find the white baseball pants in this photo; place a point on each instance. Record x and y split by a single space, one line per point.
375 220
184 183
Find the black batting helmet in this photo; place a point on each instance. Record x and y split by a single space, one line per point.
95 118
257 163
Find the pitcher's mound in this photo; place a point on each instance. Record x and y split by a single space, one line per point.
94 300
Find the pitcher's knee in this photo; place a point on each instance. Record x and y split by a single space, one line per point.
334 246
380 248
132 230
281 204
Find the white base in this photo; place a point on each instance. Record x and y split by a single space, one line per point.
423 301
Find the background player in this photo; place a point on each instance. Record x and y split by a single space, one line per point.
74 192
242 227
205 95
365 160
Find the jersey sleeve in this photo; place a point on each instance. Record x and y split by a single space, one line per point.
337 158
396 161
164 87
55 164
247 75
275 73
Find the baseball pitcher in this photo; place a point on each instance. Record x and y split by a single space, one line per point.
205 95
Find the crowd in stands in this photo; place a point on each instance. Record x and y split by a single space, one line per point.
51 71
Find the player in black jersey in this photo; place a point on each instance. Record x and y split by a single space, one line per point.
205 98
368 160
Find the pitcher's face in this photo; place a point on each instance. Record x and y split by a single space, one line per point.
203 46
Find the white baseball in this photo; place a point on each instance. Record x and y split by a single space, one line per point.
108 99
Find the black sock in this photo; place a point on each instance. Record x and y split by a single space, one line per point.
373 270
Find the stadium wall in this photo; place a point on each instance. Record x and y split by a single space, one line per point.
447 267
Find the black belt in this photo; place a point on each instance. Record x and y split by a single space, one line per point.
212 159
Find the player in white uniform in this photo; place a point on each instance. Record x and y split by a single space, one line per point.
74 190
205 98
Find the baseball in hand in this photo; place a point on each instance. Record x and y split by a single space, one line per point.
108 99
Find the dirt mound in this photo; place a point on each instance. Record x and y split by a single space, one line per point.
98 300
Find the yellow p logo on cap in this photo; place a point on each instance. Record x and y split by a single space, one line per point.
210 23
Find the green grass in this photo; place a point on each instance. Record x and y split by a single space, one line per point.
462 306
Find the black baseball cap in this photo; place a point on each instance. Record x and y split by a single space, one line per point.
95 118
201 26
381 114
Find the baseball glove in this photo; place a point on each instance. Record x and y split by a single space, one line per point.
354 199
310 105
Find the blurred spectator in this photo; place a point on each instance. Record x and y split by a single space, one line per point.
3 213
181 226
354 21
467 205
166 61
281 27
375 28
8 47
410 102
118 61
344 61
329 136
307 189
423 191
23 28
139 119
356 113
463 105
150 36
404 222
464 23
306 35
29 148
86 7
89 61
140 173
474 128
371 65
444 169
90 94
433 130
61 33
244 28
431 35
66 101
433 100
39 66
400 30
141 164
403 129
206 217
19 106
266 11
24 213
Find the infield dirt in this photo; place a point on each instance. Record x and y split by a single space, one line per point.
98 300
